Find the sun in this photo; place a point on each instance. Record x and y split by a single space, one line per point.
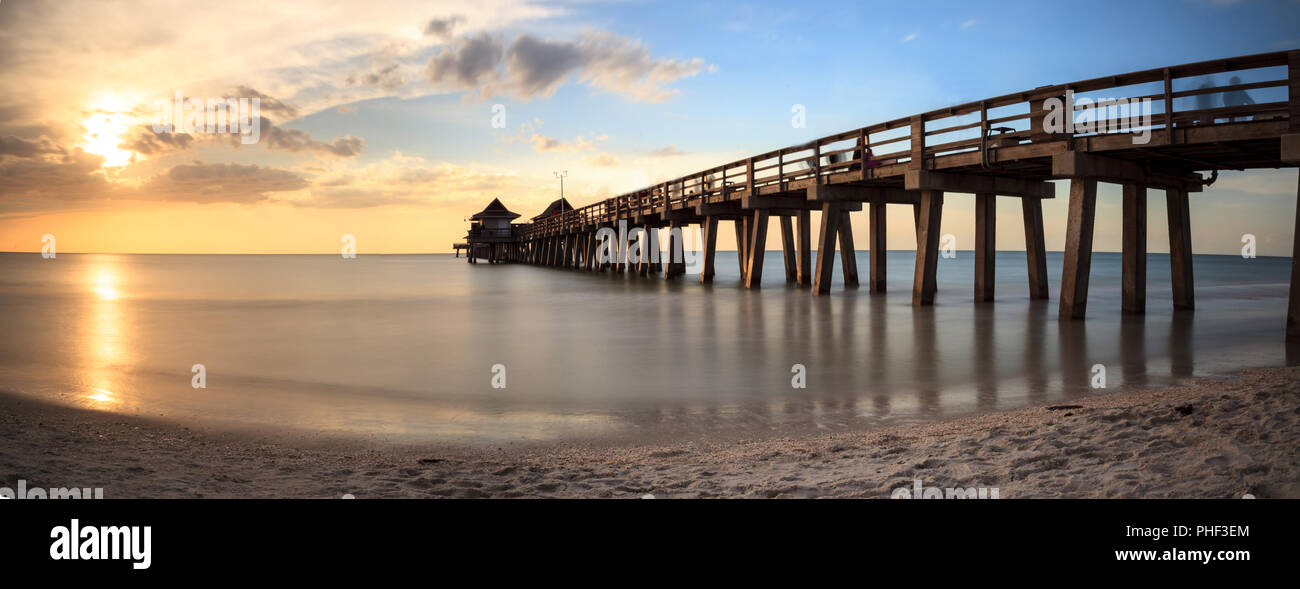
110 117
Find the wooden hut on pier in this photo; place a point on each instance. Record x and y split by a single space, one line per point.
489 233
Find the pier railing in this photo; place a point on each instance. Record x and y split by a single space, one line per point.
974 130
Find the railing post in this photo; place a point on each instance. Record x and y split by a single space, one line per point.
918 142
749 181
816 166
862 152
780 169
1169 108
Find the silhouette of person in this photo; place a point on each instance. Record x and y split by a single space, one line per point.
1206 101
1237 98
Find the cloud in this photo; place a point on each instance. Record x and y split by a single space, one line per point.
18 147
41 183
144 140
385 184
969 23
468 64
296 140
209 183
267 104
544 144
530 66
910 37
603 160
665 151
442 28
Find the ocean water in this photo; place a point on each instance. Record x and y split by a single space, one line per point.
407 347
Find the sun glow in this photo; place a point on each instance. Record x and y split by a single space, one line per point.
110 117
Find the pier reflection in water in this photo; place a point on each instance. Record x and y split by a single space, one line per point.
404 346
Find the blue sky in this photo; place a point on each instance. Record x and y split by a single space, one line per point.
620 94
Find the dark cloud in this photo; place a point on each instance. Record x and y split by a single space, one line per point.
388 77
443 28
469 63
209 183
295 140
48 183
538 66
144 140
25 148
530 66
267 104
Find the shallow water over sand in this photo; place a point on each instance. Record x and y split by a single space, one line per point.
403 347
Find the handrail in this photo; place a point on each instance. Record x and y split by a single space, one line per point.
741 176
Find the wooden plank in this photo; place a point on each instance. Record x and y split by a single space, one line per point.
788 249
1035 247
756 249
876 243
804 267
1134 248
1078 248
1180 249
848 253
925 277
826 248
985 245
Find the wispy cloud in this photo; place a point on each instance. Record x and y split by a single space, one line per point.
910 37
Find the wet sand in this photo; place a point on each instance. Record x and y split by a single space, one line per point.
1212 437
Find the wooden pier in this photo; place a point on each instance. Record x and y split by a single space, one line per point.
1006 146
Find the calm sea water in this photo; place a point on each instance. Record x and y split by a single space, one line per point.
404 347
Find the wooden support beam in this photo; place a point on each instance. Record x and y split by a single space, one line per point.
757 245
1293 307
804 269
788 249
1078 248
848 253
1035 247
916 222
826 247
986 250
855 193
647 255
924 280
1078 164
950 182
1180 249
742 242
876 241
675 265
774 202
710 228
1134 248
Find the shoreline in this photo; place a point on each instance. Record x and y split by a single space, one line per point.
1208 437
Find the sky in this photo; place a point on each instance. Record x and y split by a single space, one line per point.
393 121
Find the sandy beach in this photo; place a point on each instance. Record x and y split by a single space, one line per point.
1212 438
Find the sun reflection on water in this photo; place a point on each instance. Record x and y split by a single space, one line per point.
104 335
